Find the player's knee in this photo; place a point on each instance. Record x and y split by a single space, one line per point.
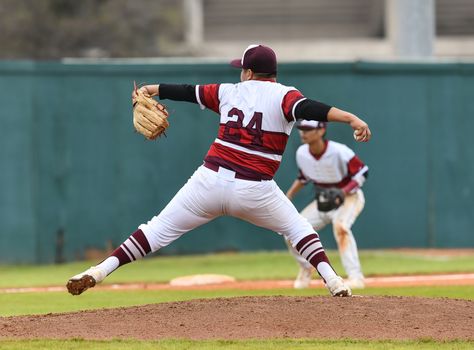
341 233
339 226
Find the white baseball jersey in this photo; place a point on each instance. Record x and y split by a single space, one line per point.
335 167
256 118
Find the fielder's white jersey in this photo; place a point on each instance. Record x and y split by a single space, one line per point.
256 118
335 167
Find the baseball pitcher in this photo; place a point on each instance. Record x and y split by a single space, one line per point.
236 178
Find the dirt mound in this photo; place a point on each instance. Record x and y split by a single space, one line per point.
371 317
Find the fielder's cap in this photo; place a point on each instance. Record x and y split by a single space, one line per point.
258 58
311 125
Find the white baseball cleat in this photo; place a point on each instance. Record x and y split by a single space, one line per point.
338 288
81 282
356 283
303 279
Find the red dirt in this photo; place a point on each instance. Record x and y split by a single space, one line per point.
387 281
374 317
368 317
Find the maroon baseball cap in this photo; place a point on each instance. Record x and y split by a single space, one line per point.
258 58
311 125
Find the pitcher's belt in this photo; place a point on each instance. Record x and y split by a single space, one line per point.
237 175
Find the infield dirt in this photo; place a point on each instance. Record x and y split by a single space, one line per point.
368 317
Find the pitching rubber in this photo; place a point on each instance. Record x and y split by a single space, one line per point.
76 287
201 280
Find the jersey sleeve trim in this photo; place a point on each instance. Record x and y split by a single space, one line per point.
358 172
198 98
361 175
208 96
293 112
288 103
354 165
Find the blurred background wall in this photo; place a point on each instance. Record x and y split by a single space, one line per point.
75 179
299 29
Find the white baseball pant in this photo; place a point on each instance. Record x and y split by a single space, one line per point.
209 194
342 220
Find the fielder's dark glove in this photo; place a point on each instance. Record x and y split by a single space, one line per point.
329 199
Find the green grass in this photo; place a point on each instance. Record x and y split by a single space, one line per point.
234 345
246 266
249 266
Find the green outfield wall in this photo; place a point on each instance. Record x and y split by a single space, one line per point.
76 178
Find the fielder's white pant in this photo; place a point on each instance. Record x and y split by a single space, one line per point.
342 220
209 194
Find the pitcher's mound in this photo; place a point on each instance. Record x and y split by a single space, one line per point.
200 280
368 317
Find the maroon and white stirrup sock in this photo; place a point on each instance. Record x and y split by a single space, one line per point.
135 247
312 250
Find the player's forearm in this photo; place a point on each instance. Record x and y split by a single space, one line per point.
362 132
351 186
338 115
294 189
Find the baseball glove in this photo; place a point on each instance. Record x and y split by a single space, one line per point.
150 118
329 199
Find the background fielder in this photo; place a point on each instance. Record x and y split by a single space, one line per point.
327 164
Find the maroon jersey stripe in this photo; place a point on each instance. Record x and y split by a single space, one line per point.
288 102
209 96
264 166
272 142
354 165
241 172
